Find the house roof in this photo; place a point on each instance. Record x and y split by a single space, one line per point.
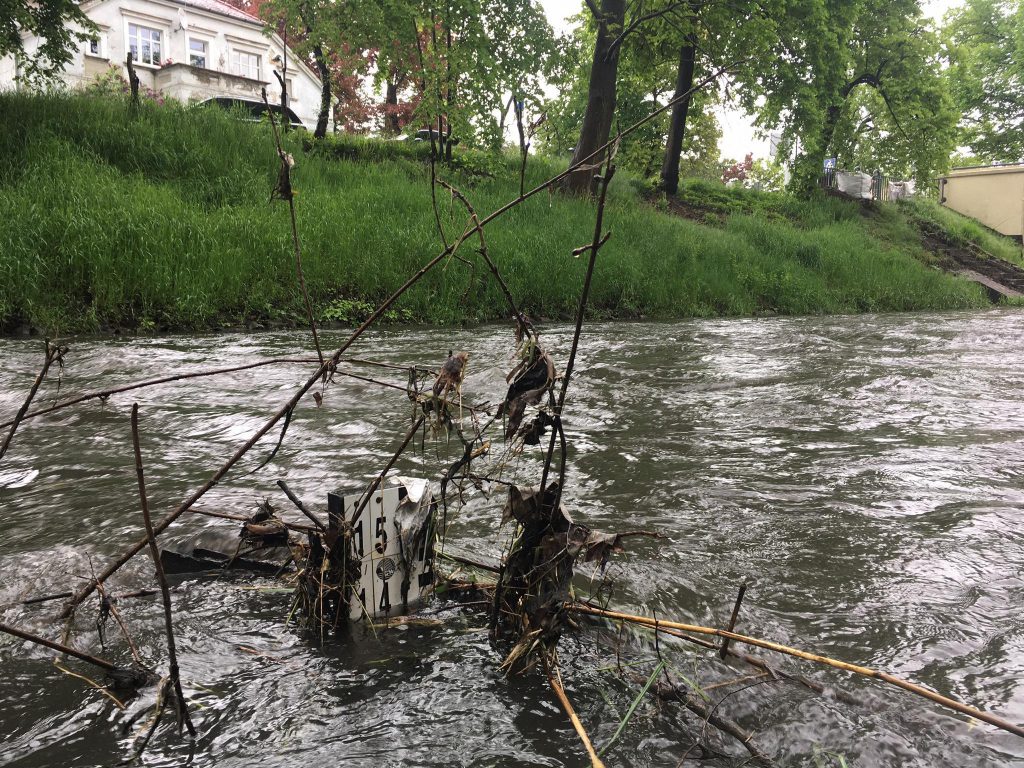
216 6
984 170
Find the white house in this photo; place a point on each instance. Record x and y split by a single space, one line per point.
190 50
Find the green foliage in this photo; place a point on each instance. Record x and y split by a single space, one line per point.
59 26
984 42
823 758
477 54
112 84
355 311
161 219
768 175
860 79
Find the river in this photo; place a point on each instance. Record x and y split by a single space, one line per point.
862 474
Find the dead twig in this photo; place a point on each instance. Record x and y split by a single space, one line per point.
107 606
433 185
732 620
172 655
555 680
757 663
65 649
285 192
597 241
299 505
103 394
520 319
708 714
91 683
54 353
65 595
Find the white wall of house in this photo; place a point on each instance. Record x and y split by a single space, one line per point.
992 194
189 50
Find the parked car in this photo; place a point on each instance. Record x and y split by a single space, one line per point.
256 110
424 134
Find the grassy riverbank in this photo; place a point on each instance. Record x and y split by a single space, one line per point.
161 220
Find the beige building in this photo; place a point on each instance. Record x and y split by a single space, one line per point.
992 194
190 50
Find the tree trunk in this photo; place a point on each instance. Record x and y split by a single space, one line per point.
809 167
597 120
391 115
449 90
677 124
325 92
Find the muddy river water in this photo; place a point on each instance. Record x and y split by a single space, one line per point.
864 475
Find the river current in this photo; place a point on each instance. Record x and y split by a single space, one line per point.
863 475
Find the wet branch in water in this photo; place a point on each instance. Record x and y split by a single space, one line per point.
242 450
173 682
54 354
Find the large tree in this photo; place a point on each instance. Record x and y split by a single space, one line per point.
681 34
829 53
645 78
984 42
60 26
478 57
596 125
330 35
713 35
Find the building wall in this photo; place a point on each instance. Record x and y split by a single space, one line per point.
994 196
223 73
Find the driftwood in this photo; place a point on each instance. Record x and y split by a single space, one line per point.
957 706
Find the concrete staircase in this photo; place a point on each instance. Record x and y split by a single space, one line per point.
998 276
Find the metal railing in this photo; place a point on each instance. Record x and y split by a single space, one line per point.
879 183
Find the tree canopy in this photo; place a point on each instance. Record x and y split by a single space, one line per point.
860 80
60 26
869 82
984 44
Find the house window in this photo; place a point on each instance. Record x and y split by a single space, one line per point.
95 47
144 44
246 64
197 53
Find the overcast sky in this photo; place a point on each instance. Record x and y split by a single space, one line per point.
737 131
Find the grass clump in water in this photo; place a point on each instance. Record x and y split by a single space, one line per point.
161 219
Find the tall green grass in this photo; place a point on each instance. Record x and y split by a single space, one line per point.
161 218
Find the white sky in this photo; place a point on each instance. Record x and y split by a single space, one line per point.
737 129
